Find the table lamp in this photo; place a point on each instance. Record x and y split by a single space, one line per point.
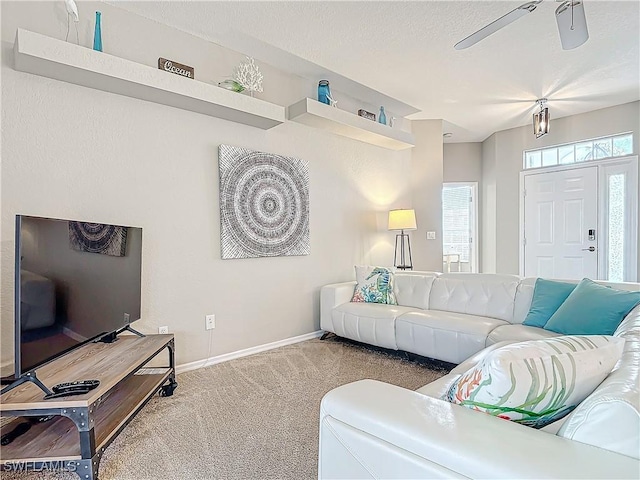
402 219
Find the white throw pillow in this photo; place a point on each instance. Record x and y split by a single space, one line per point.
539 381
374 285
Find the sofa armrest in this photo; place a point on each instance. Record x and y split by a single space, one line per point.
330 297
434 438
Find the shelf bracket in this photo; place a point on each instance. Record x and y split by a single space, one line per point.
81 416
85 468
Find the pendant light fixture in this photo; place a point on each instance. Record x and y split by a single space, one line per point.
541 119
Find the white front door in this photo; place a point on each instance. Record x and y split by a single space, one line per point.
560 221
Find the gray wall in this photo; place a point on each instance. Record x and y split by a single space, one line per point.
462 162
426 181
502 164
75 152
489 212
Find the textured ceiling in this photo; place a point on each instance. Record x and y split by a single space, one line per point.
405 50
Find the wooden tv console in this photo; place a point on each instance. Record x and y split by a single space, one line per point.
84 425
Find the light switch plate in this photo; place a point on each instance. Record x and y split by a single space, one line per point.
431 235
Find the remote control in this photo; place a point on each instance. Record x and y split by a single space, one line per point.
68 393
77 385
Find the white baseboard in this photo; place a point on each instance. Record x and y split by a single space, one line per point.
246 352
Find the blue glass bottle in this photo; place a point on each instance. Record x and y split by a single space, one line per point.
382 117
97 34
323 92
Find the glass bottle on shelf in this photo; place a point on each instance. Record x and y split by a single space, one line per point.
382 117
324 93
97 33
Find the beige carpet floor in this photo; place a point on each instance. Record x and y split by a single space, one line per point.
250 418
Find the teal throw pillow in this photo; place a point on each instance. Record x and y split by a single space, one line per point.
592 309
547 297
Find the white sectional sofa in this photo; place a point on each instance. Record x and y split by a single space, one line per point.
370 429
447 316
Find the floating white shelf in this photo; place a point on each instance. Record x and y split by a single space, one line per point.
340 122
49 57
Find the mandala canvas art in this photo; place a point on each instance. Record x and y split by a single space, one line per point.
98 238
264 204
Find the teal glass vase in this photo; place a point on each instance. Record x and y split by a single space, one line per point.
97 33
324 93
382 117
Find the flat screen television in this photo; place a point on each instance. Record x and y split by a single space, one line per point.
75 282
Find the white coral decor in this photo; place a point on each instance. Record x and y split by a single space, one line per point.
249 76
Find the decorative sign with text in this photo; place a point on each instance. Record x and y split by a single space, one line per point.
175 67
367 115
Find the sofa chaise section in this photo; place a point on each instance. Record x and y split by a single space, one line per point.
370 429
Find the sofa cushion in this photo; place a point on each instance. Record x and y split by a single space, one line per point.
610 417
537 382
370 323
374 285
486 295
448 336
413 290
592 309
518 333
547 298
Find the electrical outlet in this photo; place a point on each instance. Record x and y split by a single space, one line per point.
210 322
127 318
163 329
431 235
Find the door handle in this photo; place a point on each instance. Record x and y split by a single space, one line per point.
591 249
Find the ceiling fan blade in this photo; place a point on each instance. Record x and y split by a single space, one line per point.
496 25
572 24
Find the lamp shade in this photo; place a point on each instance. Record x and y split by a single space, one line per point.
402 219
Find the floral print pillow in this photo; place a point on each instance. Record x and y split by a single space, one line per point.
376 287
537 382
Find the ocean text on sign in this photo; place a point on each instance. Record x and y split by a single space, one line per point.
175 67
